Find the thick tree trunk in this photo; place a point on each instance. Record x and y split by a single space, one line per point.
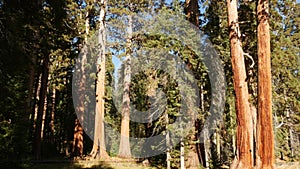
78 129
99 149
41 107
265 146
232 122
253 135
243 158
124 149
192 12
78 139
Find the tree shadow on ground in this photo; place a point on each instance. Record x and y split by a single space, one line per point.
92 165
71 165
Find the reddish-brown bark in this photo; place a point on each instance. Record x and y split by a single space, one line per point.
99 149
244 121
78 139
193 160
192 11
265 146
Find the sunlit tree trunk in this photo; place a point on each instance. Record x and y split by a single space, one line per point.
44 113
233 134
168 142
207 145
36 99
124 149
78 129
99 149
265 146
41 107
243 158
78 139
31 85
52 115
182 163
217 143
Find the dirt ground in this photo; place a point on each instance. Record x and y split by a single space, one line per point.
288 165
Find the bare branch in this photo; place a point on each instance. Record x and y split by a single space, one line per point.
281 124
249 56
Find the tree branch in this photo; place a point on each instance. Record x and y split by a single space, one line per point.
249 56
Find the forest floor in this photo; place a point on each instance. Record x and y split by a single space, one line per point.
288 165
96 166
122 164
92 164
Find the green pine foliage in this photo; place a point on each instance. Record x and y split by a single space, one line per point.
285 72
215 25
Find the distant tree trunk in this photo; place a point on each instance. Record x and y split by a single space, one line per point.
41 104
217 142
265 146
292 142
44 113
99 149
182 165
31 85
243 158
124 149
168 159
206 142
52 116
36 104
168 142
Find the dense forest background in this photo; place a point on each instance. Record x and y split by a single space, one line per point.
41 40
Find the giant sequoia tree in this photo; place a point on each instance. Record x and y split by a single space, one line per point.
124 149
265 138
99 149
244 120
265 150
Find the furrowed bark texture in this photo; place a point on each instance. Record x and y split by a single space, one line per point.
244 121
124 150
99 148
265 146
